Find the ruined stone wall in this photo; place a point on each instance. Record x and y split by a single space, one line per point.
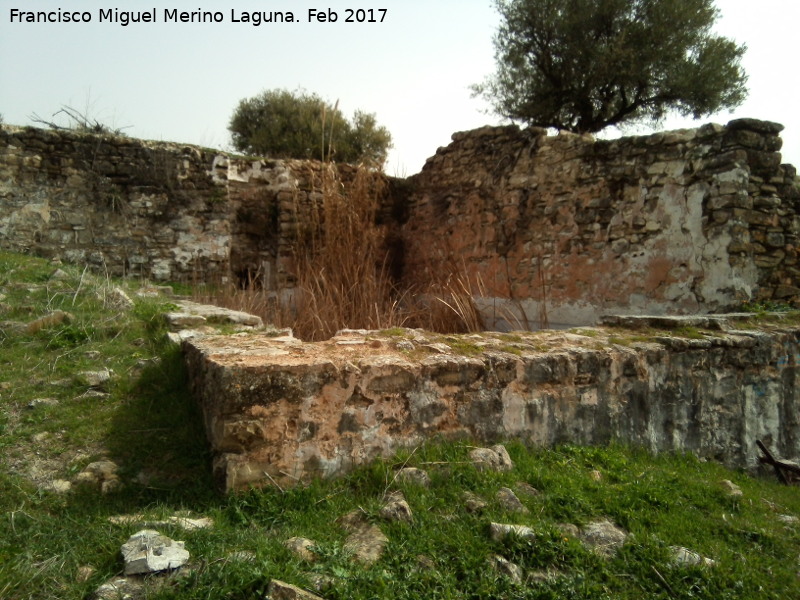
151 209
547 229
280 410
123 205
565 228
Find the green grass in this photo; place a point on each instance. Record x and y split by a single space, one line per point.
692 333
767 306
149 425
462 346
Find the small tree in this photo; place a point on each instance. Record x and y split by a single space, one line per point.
284 124
582 65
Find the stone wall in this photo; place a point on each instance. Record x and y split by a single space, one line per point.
123 205
546 229
151 209
566 228
278 410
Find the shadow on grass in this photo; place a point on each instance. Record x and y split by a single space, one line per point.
158 438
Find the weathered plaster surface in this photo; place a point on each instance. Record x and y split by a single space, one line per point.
571 227
279 410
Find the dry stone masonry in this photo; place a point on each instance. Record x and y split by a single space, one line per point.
568 227
123 205
558 229
151 209
545 229
279 411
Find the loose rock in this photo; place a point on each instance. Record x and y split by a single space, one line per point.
60 486
181 336
508 501
148 551
731 488
95 379
500 531
191 524
507 568
682 557
495 458
397 509
320 582
121 588
366 541
38 402
302 548
179 321
526 489
279 590
102 473
568 530
59 275
85 573
116 298
187 523
192 314
414 476
474 503
603 538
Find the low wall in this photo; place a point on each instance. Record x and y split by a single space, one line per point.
567 228
279 410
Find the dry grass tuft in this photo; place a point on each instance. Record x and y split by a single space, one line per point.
447 305
343 278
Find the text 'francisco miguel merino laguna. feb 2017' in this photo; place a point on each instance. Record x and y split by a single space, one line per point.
173 15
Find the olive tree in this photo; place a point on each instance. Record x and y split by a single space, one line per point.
583 65
284 124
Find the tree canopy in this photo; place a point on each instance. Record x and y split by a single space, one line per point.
583 65
283 124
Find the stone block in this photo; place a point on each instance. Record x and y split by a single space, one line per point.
281 412
764 127
776 240
150 552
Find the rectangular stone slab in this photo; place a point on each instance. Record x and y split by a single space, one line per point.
279 411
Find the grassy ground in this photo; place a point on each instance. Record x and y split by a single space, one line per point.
149 426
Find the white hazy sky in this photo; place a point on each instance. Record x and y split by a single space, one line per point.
181 81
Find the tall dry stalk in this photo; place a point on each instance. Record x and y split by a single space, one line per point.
341 266
544 320
343 279
445 301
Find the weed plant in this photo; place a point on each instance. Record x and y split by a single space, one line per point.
340 259
343 280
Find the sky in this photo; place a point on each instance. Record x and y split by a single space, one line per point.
181 82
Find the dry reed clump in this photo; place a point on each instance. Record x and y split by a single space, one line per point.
446 304
340 259
343 279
